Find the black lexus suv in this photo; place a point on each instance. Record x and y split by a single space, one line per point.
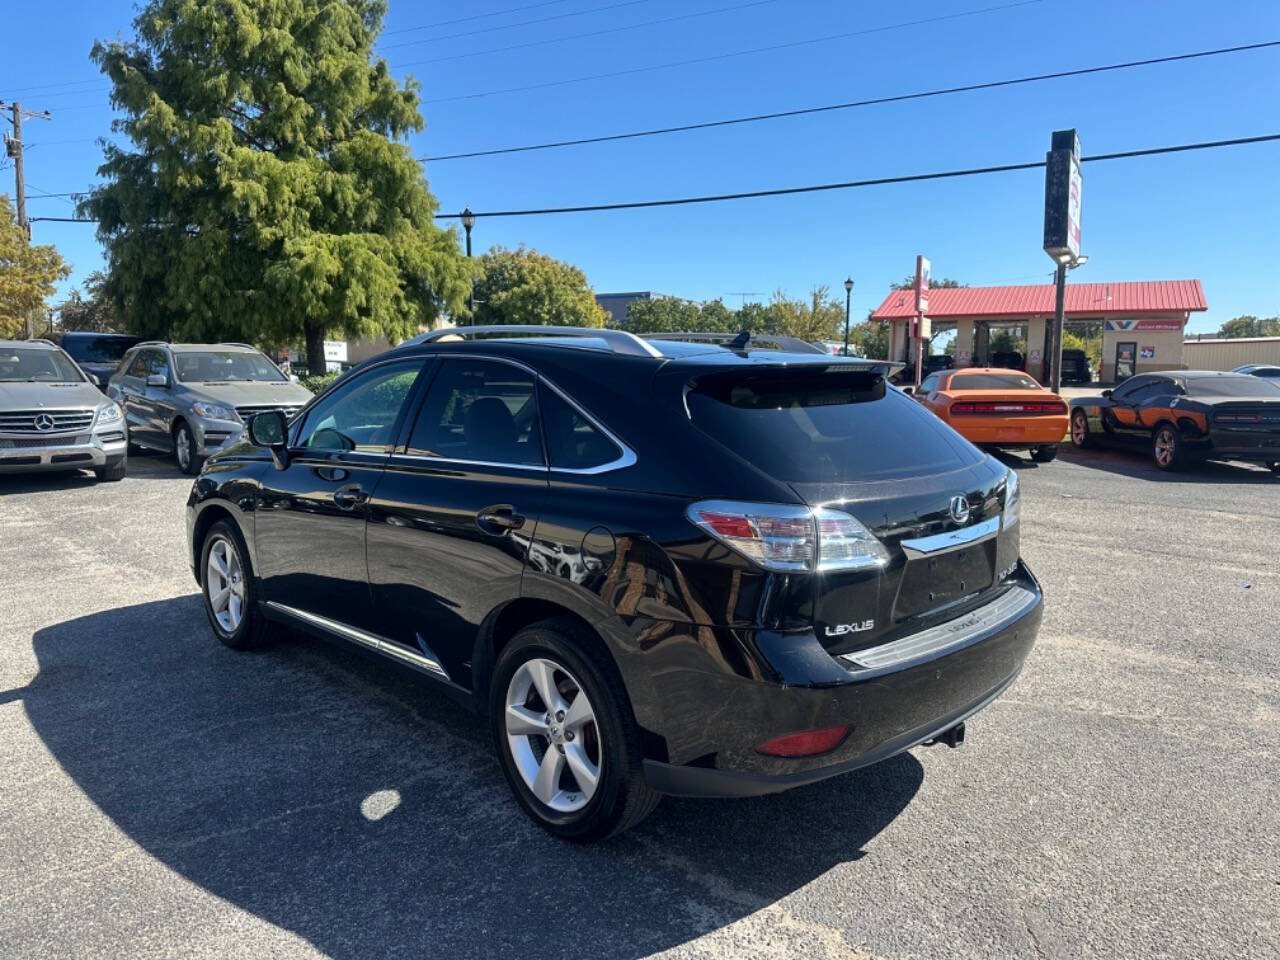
656 567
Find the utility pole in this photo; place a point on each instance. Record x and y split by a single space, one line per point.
13 148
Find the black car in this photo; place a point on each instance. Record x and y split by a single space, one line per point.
98 354
1075 367
656 567
1184 415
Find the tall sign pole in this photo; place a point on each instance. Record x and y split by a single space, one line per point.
1062 191
920 325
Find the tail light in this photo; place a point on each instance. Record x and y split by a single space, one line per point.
997 408
788 538
1238 418
807 743
1012 501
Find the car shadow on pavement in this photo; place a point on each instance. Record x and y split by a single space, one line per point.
350 803
1137 464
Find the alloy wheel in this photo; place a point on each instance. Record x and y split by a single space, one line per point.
182 447
1078 430
1164 446
224 584
553 735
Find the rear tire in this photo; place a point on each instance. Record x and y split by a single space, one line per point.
113 472
579 779
1044 454
1167 447
1275 467
184 450
1081 435
228 587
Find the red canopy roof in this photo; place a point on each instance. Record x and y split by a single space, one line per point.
1083 299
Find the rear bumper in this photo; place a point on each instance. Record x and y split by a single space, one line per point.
99 450
1240 445
902 697
1014 432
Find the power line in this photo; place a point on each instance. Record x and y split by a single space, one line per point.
737 53
590 33
816 188
896 98
476 16
518 23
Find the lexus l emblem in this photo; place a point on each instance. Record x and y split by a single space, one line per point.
959 509
44 422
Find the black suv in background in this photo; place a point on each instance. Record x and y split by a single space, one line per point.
98 354
657 567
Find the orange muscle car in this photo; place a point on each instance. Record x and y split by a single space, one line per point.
996 407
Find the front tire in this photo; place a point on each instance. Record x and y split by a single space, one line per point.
184 450
1044 454
227 585
565 735
1167 447
112 472
1081 435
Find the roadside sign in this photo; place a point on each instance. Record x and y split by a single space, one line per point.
922 285
1063 189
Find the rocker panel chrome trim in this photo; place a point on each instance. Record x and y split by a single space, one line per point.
387 648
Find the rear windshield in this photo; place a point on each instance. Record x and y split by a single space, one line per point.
98 349
993 381
825 425
1241 385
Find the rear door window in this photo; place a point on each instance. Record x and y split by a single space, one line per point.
806 426
573 441
482 411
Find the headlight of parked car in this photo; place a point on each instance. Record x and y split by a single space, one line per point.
108 413
1012 500
212 411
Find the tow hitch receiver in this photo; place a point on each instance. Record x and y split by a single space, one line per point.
952 737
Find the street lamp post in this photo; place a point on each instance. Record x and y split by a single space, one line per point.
848 298
469 221
1065 263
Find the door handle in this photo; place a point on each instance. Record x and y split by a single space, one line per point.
349 497
499 519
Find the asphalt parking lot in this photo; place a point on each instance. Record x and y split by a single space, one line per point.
162 796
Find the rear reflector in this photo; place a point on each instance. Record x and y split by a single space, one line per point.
1000 408
809 743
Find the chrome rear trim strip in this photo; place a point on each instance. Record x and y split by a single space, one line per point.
387 648
942 542
943 639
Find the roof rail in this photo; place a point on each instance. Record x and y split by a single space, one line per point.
41 340
152 343
235 343
740 341
619 341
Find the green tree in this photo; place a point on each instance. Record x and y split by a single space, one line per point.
870 338
1250 326
91 311
946 283
267 195
821 317
524 286
664 315
28 274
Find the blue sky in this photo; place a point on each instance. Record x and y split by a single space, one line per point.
1214 215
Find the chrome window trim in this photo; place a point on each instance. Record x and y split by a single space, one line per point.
370 641
952 539
943 639
626 457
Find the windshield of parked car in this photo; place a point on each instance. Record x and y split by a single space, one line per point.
46 366
1239 385
98 349
992 381
218 365
820 426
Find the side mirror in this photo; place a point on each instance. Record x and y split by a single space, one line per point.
908 390
158 380
1106 394
269 429
94 379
